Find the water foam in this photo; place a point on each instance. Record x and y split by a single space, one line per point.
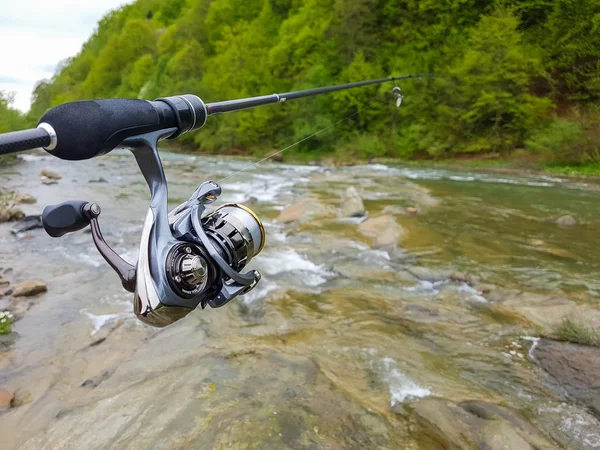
401 387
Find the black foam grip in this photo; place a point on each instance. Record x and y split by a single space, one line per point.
67 217
94 127
18 141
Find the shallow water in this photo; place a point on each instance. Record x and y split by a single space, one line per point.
336 336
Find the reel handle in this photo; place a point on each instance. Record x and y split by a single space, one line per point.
67 217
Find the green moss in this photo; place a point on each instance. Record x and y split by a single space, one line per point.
5 322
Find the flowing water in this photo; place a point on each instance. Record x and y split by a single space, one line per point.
337 339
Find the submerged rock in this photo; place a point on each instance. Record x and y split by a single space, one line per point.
431 275
98 180
566 221
21 397
574 367
385 231
352 204
472 425
29 288
49 174
27 223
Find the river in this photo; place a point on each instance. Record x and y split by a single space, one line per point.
342 344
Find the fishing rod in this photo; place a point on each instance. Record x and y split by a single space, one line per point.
188 257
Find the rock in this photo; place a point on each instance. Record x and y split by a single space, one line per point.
396 210
49 174
9 291
472 425
10 214
6 397
303 210
385 231
29 288
46 180
484 288
554 251
98 180
566 221
352 203
7 341
24 198
27 223
3 283
22 397
574 367
431 275
460 277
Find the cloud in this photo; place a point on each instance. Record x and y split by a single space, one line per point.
37 34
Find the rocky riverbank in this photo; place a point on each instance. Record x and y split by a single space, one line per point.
398 309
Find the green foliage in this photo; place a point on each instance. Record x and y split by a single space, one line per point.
5 322
11 119
503 65
577 333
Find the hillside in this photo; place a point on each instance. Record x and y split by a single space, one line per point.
513 74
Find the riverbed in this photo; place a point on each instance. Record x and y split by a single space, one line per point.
343 344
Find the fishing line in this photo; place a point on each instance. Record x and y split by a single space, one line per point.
296 143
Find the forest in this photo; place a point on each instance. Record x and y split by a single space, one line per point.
514 78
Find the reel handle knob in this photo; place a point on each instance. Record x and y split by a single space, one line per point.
67 217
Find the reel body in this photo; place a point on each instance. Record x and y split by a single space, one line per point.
188 257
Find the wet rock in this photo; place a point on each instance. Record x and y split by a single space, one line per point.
551 250
22 397
303 210
24 198
352 204
566 221
574 367
3 282
10 214
396 210
48 181
546 311
19 306
94 382
98 180
484 288
385 231
7 270
431 275
29 288
472 425
27 223
460 277
6 397
49 174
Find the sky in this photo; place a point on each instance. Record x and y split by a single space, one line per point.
35 35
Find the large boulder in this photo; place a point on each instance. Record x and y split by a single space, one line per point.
384 230
29 288
575 368
352 204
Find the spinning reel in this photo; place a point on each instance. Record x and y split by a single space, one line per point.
188 257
